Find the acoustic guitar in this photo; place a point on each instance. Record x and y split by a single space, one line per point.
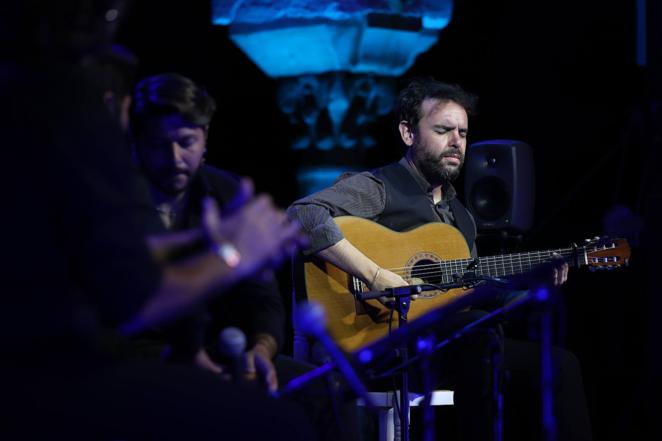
434 253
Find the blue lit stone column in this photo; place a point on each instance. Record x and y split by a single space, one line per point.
335 62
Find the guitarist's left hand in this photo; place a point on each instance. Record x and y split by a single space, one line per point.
553 272
560 272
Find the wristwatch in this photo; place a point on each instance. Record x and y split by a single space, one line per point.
227 253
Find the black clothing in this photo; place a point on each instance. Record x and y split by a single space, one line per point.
75 231
256 307
253 305
406 206
82 400
78 216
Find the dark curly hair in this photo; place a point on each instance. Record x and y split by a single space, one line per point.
168 94
408 105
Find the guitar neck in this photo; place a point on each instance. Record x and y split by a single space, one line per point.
508 264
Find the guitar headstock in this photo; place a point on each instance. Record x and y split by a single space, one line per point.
603 253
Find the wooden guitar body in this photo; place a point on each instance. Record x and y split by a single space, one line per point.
354 324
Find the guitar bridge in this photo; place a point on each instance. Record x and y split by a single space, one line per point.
357 286
378 314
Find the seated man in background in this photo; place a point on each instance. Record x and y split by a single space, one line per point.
169 125
170 120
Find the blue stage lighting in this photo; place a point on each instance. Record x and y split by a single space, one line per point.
288 38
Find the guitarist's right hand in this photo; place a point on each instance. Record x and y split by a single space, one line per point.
350 259
386 279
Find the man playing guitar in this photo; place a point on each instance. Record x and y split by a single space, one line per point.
417 190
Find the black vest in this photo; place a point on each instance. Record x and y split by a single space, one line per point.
408 207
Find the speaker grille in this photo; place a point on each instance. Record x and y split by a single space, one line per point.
489 198
499 185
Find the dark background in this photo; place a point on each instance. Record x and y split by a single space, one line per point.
560 76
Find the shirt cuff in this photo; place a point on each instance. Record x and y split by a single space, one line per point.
323 236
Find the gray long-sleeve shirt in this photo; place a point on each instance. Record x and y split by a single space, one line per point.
356 194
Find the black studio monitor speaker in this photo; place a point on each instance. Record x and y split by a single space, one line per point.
499 184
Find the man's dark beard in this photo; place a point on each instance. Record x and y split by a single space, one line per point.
431 167
155 179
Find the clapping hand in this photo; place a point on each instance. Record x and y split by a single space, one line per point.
259 232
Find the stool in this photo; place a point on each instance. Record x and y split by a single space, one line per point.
389 420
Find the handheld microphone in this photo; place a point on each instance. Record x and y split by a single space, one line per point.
232 344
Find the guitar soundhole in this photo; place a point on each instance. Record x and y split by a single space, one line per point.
427 270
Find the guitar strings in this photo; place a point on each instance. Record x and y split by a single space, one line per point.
441 268
490 263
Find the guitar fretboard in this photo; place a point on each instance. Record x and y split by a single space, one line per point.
494 266
502 265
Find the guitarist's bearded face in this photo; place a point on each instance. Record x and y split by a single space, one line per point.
439 141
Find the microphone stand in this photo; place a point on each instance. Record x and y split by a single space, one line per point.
402 308
312 319
544 296
382 349
425 346
540 295
401 303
